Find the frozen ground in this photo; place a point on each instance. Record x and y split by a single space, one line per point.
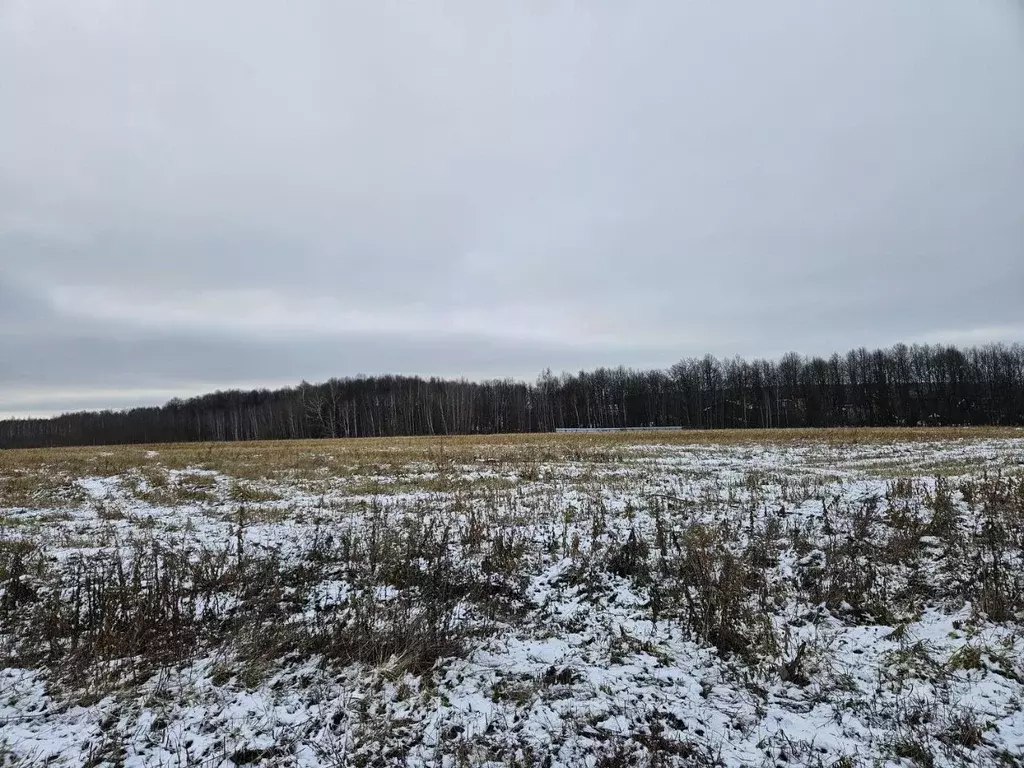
555 602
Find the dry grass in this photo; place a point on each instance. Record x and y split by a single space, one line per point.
365 456
403 555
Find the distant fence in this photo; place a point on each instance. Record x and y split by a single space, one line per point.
618 429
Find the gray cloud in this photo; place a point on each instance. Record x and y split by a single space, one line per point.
196 196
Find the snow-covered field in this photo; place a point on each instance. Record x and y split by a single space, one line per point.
542 600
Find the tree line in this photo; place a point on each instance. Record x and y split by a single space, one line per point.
899 386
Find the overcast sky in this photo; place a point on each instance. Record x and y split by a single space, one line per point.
199 195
